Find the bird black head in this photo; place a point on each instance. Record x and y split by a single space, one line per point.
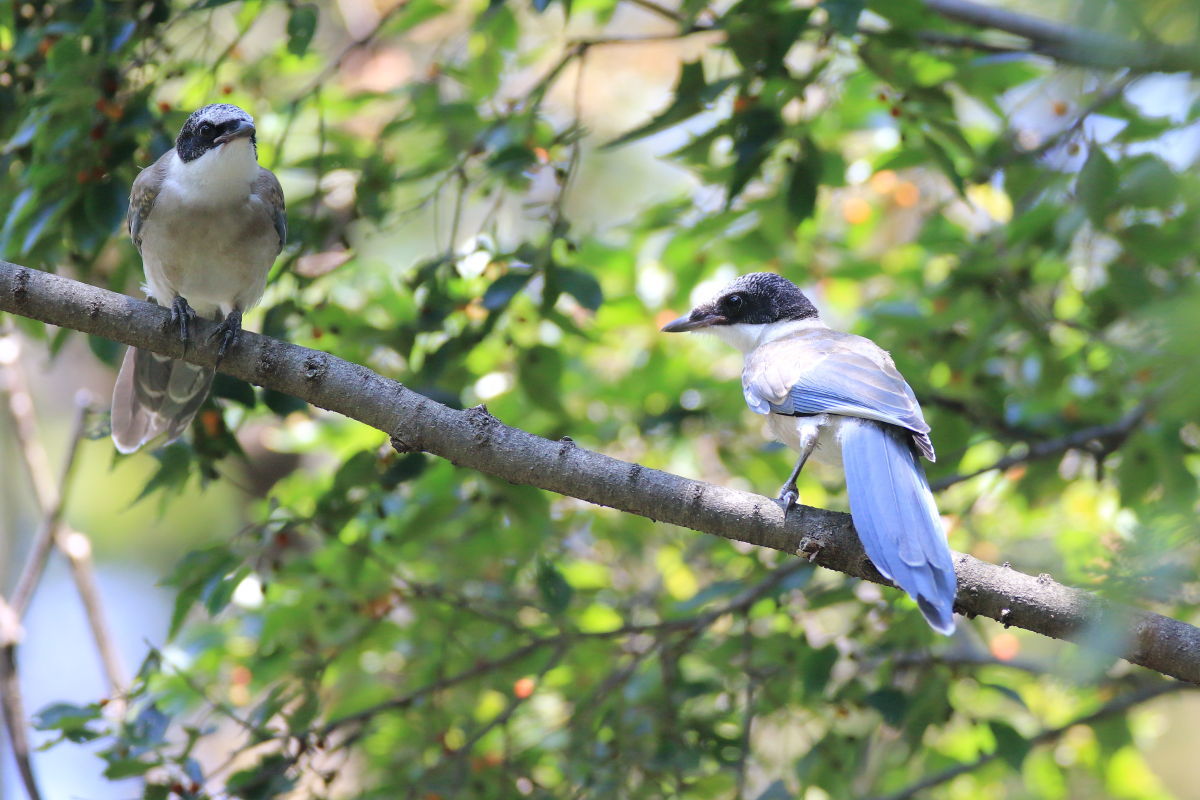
212 126
758 298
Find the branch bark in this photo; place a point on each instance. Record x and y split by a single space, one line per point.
1071 44
475 439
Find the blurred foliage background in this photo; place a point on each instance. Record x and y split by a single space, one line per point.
501 202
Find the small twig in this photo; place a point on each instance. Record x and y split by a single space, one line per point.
1110 709
1107 437
11 704
51 495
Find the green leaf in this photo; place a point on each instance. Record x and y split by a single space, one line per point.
843 14
556 592
689 100
580 285
174 467
234 389
301 26
539 373
1096 184
195 577
65 716
803 182
128 768
504 288
1010 745
755 133
776 791
891 705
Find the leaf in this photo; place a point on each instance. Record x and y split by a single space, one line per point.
282 403
128 768
689 101
193 578
539 373
1148 183
65 716
556 592
504 288
582 286
805 178
843 14
234 389
755 132
816 667
403 469
1096 184
890 703
301 26
174 467
776 791
1010 745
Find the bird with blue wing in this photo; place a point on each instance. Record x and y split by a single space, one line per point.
208 222
839 399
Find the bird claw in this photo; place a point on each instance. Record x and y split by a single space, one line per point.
229 331
788 497
181 315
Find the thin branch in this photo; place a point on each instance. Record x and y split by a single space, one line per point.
51 497
1112 708
11 704
475 439
1069 43
50 493
1098 439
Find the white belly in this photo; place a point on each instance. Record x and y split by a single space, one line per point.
797 432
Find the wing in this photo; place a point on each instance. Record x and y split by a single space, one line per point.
822 371
270 192
143 194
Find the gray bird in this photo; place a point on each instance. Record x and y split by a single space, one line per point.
208 222
839 398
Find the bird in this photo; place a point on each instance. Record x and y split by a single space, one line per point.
839 399
208 222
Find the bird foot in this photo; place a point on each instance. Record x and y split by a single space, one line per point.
229 331
181 315
788 497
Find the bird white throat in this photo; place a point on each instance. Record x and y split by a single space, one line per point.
747 338
224 173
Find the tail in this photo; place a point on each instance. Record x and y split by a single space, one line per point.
153 395
896 518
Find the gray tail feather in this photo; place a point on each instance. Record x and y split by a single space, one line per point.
154 395
896 518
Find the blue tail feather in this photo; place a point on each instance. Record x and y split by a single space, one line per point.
896 518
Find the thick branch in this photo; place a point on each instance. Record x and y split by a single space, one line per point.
473 438
1071 44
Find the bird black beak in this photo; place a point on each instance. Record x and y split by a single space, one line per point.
699 318
243 130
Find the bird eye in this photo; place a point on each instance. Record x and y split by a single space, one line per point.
734 303
206 129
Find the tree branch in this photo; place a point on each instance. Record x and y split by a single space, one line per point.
1068 43
473 438
1112 708
1097 440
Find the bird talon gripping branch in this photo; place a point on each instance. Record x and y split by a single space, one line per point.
181 317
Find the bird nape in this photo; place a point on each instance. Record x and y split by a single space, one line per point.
208 222
839 399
